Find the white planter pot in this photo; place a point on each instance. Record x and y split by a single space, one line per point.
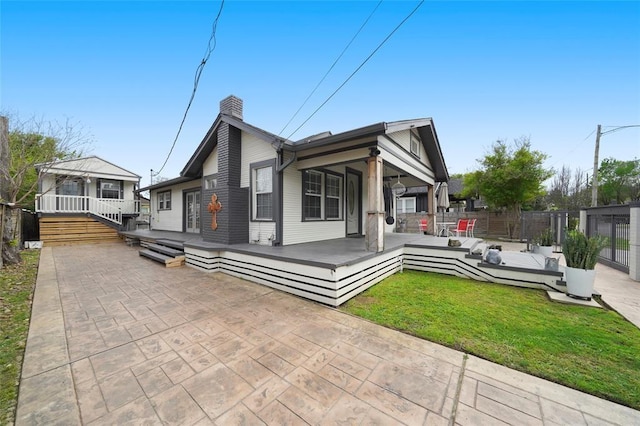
546 251
580 282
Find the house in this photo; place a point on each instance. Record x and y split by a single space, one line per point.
85 199
314 217
278 192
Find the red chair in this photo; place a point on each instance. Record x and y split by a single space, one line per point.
470 226
423 225
461 227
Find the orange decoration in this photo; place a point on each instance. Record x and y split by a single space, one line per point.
214 207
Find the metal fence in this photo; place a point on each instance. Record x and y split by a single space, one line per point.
532 224
613 222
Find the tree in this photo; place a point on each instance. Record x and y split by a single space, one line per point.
510 177
569 190
619 181
27 144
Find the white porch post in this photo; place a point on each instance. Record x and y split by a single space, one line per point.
375 212
431 212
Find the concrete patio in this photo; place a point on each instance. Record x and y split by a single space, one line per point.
117 339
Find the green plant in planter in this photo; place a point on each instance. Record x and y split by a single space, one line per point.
546 238
581 251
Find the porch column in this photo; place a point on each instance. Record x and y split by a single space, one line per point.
375 212
431 213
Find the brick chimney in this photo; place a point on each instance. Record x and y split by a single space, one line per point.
232 106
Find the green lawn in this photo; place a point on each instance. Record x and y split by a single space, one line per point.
16 293
589 349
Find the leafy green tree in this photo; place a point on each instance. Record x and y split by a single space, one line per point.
510 177
619 181
23 146
34 142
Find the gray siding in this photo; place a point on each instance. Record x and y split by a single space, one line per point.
233 218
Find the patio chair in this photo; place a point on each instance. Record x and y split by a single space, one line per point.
423 225
470 226
461 227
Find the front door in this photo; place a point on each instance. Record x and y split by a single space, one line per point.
192 213
354 204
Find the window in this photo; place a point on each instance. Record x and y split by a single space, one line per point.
415 145
312 195
323 195
333 198
164 200
406 205
210 183
109 189
263 189
70 186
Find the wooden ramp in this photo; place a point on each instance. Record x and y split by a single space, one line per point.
68 230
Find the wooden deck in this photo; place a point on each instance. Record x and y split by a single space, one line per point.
333 271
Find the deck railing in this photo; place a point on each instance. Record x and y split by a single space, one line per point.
106 208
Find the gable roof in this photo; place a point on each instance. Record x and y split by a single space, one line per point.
194 165
424 126
92 165
168 182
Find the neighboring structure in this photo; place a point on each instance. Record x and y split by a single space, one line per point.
279 192
85 199
415 200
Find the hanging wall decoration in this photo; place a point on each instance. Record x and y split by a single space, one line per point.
214 207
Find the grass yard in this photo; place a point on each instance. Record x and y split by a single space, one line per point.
16 293
593 350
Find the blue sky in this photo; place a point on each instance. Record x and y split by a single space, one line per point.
484 71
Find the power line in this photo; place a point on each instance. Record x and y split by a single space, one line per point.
617 128
576 146
358 69
196 80
331 67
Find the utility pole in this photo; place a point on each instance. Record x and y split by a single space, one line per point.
151 177
594 186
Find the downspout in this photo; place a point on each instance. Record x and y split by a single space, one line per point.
280 168
290 161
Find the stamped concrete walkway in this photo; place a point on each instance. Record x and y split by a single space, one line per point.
117 339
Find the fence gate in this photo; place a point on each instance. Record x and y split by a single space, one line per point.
613 222
30 227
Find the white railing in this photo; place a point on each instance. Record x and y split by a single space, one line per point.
106 208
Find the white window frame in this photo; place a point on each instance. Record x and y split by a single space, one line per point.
164 200
110 182
259 189
320 193
414 144
211 183
306 193
401 206
339 197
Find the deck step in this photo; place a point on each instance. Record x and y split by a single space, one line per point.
171 243
169 261
165 250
